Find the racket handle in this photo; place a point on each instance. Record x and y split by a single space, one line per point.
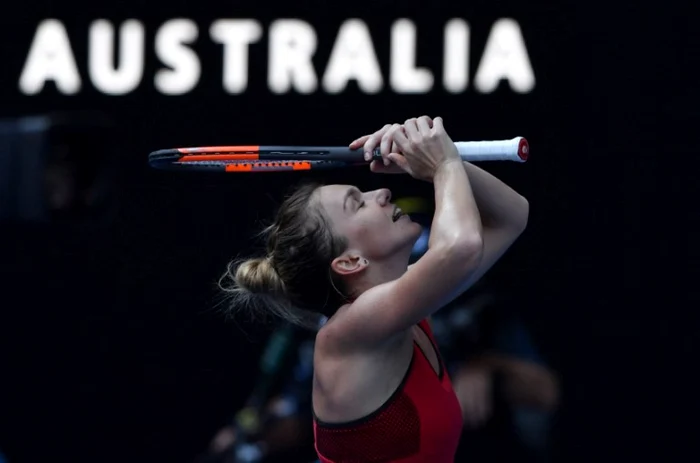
516 149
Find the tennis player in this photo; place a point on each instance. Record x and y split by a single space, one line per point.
380 390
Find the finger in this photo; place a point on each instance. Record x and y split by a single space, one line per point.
372 142
424 124
437 124
359 142
411 128
399 160
376 167
400 139
394 147
387 142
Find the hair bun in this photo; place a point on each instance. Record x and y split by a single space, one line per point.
258 275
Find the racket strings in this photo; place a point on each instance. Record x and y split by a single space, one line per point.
240 165
269 165
257 163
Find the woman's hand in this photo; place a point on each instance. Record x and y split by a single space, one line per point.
384 139
425 146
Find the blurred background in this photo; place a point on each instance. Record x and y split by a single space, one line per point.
579 345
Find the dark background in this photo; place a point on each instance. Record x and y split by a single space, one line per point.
111 346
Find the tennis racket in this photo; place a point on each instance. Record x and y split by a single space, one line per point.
285 158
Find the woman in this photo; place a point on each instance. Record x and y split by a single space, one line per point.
380 392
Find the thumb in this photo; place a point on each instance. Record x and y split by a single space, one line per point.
378 167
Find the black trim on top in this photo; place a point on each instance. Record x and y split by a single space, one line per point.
441 366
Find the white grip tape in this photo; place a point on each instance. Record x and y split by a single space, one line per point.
516 149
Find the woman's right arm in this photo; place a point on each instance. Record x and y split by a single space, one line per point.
455 249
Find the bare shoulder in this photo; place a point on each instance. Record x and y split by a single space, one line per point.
335 346
350 382
343 334
335 375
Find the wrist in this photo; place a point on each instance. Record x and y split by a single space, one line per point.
446 166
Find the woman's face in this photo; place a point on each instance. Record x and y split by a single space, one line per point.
373 226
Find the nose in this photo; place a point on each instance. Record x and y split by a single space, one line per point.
383 196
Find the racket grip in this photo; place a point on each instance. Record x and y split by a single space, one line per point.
516 149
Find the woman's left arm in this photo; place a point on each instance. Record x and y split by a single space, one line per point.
504 215
500 206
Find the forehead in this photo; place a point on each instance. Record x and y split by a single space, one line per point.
333 196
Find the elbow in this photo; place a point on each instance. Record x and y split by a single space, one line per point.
466 251
521 215
471 248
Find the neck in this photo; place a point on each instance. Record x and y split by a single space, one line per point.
378 273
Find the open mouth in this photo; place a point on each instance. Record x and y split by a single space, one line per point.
397 214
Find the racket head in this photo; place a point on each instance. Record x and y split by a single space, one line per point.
234 159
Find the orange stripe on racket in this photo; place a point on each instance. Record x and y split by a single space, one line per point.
221 149
219 157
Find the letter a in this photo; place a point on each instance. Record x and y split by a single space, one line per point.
50 58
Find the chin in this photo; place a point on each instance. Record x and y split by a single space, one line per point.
416 228
405 235
413 232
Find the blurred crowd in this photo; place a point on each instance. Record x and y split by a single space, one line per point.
508 393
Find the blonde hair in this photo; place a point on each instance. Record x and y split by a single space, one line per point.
293 281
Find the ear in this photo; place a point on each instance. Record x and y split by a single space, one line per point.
349 264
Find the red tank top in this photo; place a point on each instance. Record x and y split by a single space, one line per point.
421 422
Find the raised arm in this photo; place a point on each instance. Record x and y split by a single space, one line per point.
454 255
504 214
